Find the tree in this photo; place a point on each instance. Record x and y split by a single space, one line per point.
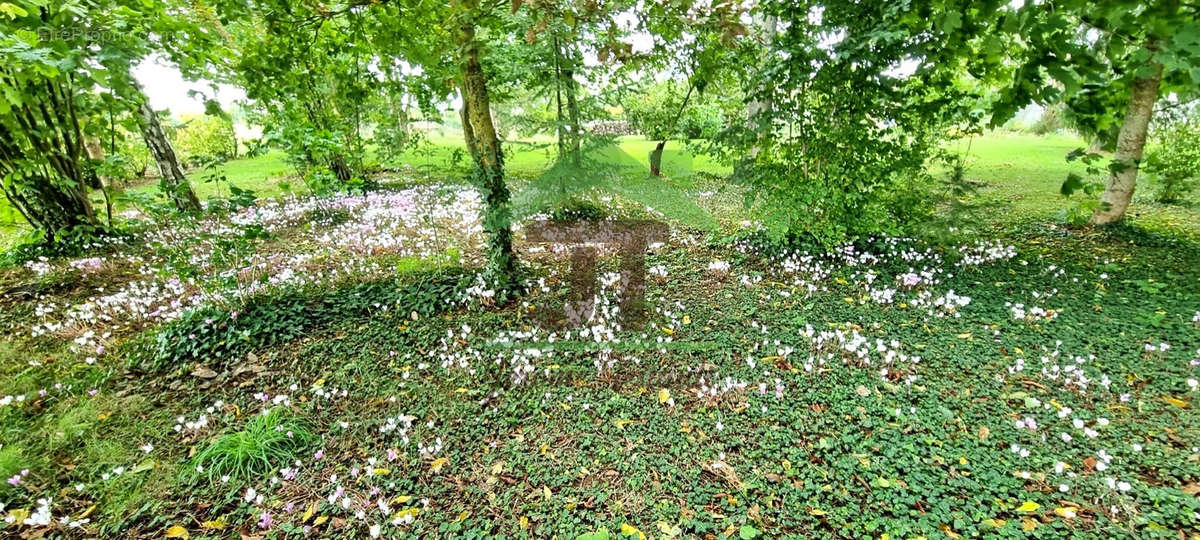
1096 56
44 168
480 136
844 148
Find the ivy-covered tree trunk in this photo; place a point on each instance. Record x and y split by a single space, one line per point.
488 176
1131 142
172 181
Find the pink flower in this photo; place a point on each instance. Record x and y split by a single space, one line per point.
264 521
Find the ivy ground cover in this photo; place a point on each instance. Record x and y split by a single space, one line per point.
331 367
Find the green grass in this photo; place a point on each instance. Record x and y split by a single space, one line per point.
1023 174
266 443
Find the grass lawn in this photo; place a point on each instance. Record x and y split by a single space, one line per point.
330 367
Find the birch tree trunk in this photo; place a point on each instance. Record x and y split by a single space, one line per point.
758 110
171 178
1131 142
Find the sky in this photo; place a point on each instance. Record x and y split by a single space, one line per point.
167 89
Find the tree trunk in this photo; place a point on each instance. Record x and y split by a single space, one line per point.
484 144
656 158
575 139
558 102
171 179
340 169
1130 143
758 110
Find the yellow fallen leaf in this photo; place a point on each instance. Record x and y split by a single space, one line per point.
545 449
667 331
993 522
381 471
664 395
438 464
1028 506
1176 402
1066 511
524 522
320 521
816 512
177 532
402 499
630 530
949 532
461 390
1028 524
410 513
498 467
309 511
18 515
687 319
216 524
566 406
622 422
86 513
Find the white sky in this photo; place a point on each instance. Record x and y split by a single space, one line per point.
167 89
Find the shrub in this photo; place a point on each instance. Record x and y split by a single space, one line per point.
1173 163
578 209
204 138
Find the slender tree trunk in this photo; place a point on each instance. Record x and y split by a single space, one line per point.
758 110
1130 144
171 178
480 132
558 103
656 154
656 158
575 139
95 152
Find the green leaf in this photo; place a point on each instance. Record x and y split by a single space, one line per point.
1073 183
12 10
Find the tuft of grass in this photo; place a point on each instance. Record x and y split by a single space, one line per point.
11 463
267 441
